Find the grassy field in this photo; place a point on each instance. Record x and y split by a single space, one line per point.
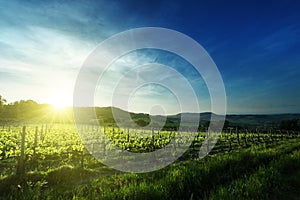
57 166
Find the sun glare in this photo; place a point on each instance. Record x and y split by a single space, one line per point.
58 106
59 101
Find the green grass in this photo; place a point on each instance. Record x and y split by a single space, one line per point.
278 180
260 166
259 172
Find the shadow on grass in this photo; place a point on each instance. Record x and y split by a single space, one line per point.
62 178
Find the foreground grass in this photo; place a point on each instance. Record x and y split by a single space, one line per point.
258 172
278 180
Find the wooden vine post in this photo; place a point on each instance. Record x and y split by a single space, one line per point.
237 136
208 142
230 147
128 135
21 163
82 159
245 137
35 141
152 135
41 134
152 139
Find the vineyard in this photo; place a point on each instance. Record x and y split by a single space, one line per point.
35 157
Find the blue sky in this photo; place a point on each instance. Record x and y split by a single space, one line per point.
256 46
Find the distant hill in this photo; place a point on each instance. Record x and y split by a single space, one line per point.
260 121
266 121
247 121
31 112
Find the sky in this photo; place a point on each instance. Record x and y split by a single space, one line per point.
254 44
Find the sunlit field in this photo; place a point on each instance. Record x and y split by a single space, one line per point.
57 165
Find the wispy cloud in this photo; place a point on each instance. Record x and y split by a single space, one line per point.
148 77
44 44
35 56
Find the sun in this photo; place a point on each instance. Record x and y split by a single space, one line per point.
58 106
59 101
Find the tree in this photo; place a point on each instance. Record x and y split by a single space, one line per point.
290 125
2 101
141 122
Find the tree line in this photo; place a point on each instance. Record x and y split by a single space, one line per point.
292 125
27 111
31 111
